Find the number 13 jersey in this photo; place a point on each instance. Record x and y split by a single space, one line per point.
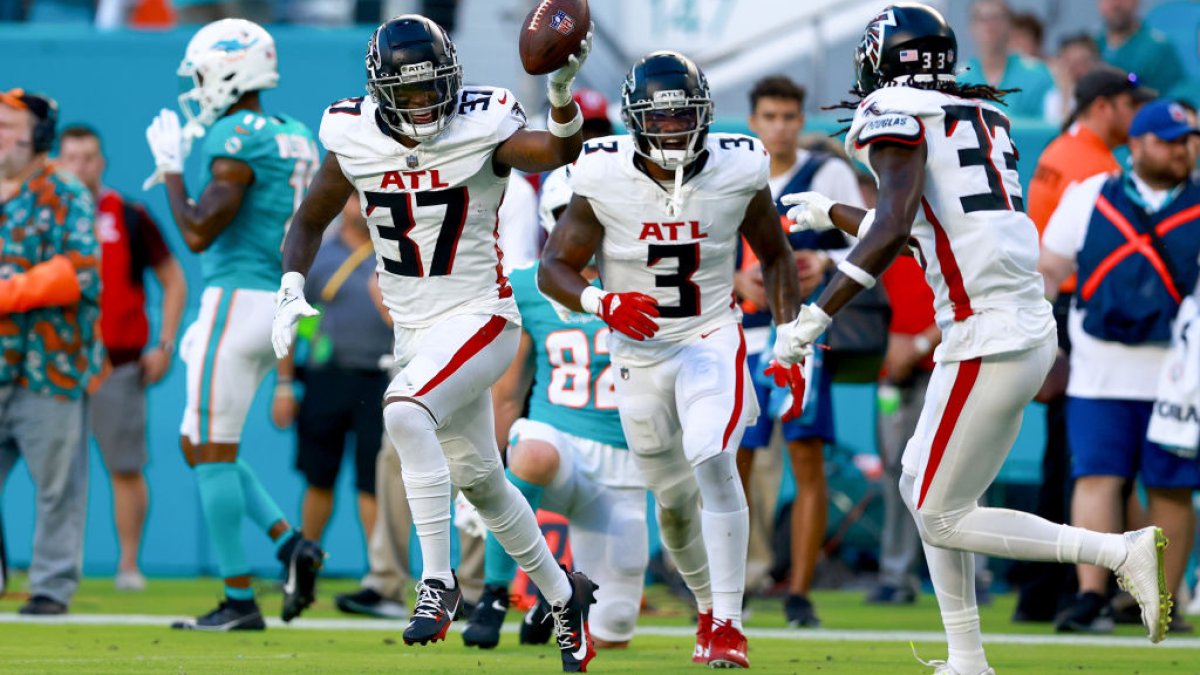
432 209
978 248
685 260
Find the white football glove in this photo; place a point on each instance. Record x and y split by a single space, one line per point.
166 144
810 211
794 340
290 306
467 518
558 83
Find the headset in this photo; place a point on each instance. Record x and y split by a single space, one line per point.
46 126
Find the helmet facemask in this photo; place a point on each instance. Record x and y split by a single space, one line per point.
669 129
420 100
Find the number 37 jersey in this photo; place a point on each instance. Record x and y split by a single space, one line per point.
684 260
432 209
978 248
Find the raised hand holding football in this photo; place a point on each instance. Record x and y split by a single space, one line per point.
552 32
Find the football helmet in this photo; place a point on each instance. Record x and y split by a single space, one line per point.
906 44
223 61
414 76
667 107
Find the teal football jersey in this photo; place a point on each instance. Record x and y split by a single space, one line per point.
573 380
284 157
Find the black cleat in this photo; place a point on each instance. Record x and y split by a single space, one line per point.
483 627
368 602
535 627
800 612
436 608
571 624
300 586
42 605
1088 614
229 615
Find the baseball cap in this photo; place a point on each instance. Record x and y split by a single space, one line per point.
1106 82
592 104
1163 118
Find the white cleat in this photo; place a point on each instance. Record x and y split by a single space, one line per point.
1141 575
941 667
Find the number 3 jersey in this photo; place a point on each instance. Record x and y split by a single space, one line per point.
685 260
978 248
432 209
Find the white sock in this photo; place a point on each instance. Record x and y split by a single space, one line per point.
728 535
429 501
683 539
506 513
953 576
1078 545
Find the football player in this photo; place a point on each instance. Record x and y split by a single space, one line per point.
256 169
944 160
662 210
430 159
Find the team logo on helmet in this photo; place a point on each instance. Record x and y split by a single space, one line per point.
872 42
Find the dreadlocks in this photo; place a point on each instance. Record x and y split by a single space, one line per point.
984 92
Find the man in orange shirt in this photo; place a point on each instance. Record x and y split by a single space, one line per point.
1106 100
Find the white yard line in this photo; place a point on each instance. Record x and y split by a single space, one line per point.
819 634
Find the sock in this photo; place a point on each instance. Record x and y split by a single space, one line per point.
505 512
259 506
1076 544
729 534
498 566
239 594
223 506
953 576
427 481
286 543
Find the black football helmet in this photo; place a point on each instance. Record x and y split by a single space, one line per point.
667 106
907 43
414 76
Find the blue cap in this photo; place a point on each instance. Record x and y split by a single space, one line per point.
1163 118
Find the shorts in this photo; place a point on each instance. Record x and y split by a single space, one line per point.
820 425
605 464
1107 437
118 419
227 351
339 403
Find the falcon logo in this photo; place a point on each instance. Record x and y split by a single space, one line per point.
872 42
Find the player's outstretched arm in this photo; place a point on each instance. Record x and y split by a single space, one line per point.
508 394
761 228
901 171
326 196
202 221
572 244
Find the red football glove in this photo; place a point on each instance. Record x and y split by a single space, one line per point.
792 377
629 314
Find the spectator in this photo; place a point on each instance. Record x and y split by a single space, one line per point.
1120 327
340 362
777 118
1077 56
999 66
1027 36
130 244
1129 44
49 307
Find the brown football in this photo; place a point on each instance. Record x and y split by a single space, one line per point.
551 33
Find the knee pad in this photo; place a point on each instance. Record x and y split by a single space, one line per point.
484 488
613 619
404 419
940 528
720 484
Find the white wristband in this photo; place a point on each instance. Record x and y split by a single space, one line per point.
867 221
567 129
590 299
858 274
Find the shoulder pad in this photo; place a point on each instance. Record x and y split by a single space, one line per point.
893 128
741 156
495 108
598 163
340 121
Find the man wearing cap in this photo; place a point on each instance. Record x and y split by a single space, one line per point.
1105 102
1133 237
49 307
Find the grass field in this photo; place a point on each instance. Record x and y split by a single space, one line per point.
110 632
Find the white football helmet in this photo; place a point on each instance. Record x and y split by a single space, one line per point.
224 60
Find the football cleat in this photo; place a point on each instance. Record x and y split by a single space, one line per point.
728 646
800 612
941 667
300 586
535 627
703 636
368 602
571 624
229 615
436 607
1141 575
483 627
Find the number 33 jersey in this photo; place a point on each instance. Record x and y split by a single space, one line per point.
432 209
685 260
978 248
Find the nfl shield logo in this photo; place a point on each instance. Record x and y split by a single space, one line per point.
411 161
562 22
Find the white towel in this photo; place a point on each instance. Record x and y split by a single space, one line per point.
1175 422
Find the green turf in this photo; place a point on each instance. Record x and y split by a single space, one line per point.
28 648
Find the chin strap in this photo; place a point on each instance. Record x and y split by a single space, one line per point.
675 201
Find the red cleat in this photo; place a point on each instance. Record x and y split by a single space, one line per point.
703 635
728 647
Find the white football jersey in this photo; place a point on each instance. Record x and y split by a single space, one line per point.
978 248
685 261
432 209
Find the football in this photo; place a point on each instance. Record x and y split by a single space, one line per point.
551 33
